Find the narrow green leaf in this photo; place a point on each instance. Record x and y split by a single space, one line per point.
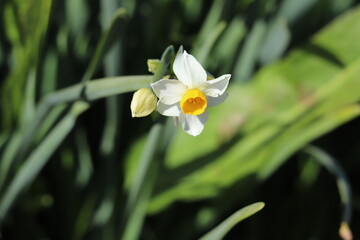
140 190
104 213
113 67
292 10
77 14
49 121
223 228
104 43
212 19
29 99
49 73
85 167
6 157
107 87
229 41
244 65
276 41
340 6
202 51
3 139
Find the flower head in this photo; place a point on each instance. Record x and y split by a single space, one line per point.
189 96
143 102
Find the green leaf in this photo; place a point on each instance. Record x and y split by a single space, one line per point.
292 10
202 51
105 43
224 50
85 165
77 14
211 21
244 65
276 41
49 72
223 228
142 186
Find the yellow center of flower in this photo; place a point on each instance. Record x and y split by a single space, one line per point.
193 102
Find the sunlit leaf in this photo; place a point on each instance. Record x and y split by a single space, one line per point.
223 228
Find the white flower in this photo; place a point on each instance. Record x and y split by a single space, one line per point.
190 95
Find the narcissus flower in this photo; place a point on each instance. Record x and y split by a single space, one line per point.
189 96
143 102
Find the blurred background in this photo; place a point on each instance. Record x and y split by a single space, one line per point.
287 135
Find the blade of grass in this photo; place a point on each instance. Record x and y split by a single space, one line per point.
140 190
292 10
211 21
85 167
245 63
276 41
112 65
223 228
28 110
202 50
3 139
104 43
49 73
226 48
6 158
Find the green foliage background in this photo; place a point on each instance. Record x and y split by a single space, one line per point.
75 165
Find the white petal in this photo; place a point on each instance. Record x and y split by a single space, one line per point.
213 101
191 124
172 110
216 87
169 91
188 70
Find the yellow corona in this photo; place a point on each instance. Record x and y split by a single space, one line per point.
193 102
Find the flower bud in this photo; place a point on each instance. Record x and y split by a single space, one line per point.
143 102
153 65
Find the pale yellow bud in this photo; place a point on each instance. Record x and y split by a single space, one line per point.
143 102
153 65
